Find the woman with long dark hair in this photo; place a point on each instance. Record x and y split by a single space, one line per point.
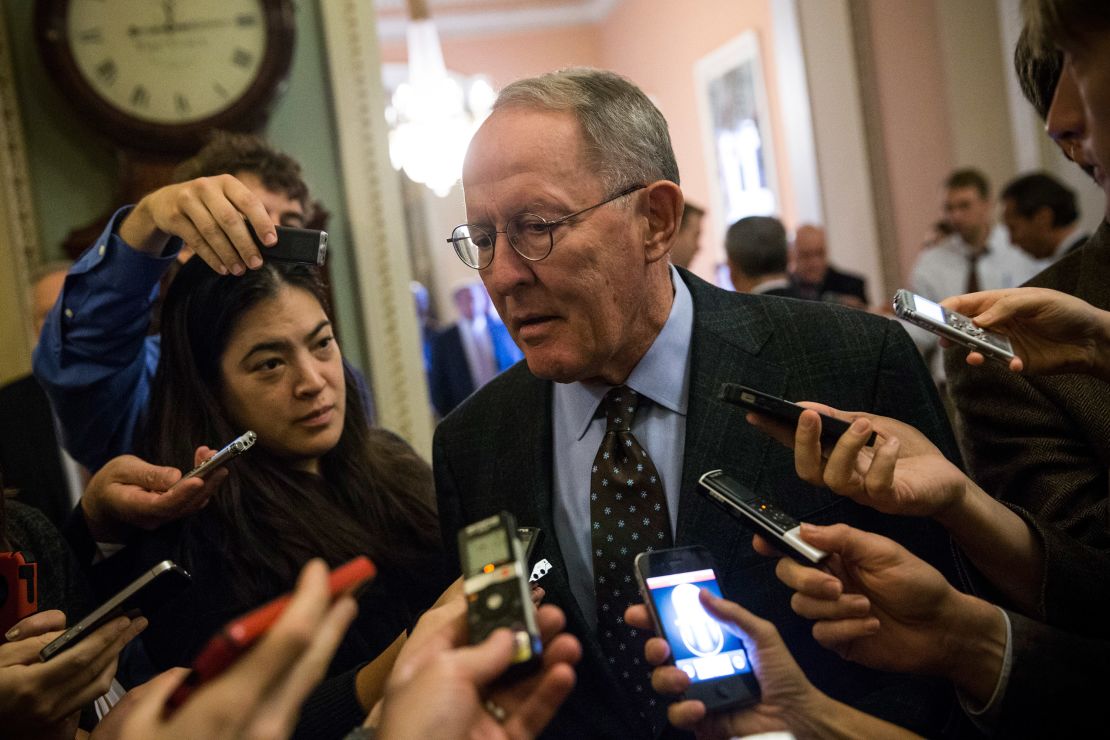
258 352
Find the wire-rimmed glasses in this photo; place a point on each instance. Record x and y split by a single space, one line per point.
531 236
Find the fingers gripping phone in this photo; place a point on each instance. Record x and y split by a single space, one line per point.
954 326
785 411
768 520
236 447
142 596
238 636
710 652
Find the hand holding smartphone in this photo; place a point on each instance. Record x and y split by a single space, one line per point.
784 411
142 596
711 654
238 636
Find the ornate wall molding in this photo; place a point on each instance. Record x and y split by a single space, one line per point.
19 235
376 215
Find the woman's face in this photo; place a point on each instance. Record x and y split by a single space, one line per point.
283 377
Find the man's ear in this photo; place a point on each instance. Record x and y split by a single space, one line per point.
665 204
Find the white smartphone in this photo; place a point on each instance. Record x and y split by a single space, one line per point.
236 447
936 318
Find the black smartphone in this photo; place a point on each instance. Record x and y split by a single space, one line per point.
233 449
960 329
143 596
784 411
530 539
307 246
767 519
711 653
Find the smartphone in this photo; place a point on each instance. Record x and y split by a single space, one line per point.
238 636
497 591
951 325
142 596
711 653
784 411
307 246
234 448
774 524
530 539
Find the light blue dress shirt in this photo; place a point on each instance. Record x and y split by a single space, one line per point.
663 376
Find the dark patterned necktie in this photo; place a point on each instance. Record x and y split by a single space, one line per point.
628 514
973 272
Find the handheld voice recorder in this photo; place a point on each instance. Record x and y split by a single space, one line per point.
768 520
234 448
958 328
496 585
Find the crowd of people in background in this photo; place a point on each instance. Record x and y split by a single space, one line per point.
965 576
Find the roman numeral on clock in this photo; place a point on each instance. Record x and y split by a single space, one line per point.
107 71
181 104
242 57
140 98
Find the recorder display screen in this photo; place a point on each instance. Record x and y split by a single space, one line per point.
490 547
700 644
929 309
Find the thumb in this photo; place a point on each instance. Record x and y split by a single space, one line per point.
202 454
853 545
131 471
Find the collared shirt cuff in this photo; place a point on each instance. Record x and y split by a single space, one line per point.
985 718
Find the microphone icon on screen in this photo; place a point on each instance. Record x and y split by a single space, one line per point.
701 634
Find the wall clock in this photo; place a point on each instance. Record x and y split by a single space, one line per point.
157 75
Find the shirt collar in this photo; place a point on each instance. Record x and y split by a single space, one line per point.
654 375
776 284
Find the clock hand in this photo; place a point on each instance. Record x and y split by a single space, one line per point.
167 8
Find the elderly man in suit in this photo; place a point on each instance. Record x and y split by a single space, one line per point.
573 200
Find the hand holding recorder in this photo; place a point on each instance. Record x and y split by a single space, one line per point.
131 493
259 696
1051 332
883 607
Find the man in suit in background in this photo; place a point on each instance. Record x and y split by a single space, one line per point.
817 280
470 352
757 257
689 235
1040 213
572 194
31 457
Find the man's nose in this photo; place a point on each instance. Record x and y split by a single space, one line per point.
1065 121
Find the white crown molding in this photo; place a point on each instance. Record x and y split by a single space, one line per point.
454 24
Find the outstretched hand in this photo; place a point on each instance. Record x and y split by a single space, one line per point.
131 493
1051 332
210 214
904 473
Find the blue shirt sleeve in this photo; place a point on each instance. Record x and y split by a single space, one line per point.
94 358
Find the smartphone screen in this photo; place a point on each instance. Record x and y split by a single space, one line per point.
700 645
711 653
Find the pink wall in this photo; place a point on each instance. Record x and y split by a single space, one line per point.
508 57
655 45
911 98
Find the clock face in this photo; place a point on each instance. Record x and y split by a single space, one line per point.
168 62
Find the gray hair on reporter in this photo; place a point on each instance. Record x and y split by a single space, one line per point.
627 140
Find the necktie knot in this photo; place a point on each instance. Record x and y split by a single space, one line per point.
620 408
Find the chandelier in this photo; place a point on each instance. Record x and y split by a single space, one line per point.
433 114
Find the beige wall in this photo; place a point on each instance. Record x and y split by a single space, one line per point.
912 106
972 54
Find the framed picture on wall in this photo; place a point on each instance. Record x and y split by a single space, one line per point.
736 131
